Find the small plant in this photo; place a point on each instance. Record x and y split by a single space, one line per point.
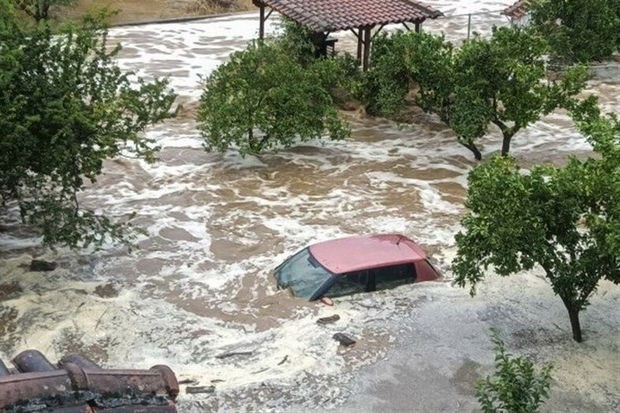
516 386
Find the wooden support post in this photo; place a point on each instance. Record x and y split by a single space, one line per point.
418 26
261 26
366 48
360 40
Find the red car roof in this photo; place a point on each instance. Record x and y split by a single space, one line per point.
367 251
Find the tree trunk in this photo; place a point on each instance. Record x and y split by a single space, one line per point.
472 147
506 144
573 314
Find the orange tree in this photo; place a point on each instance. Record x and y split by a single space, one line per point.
265 98
501 81
579 30
65 107
565 220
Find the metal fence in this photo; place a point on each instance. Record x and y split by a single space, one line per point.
460 27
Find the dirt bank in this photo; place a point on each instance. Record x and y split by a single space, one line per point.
148 10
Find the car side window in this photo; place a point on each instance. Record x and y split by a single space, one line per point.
394 275
351 283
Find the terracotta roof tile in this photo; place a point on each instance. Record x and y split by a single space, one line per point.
517 10
336 15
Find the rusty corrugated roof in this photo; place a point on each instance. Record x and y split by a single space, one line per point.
336 15
518 9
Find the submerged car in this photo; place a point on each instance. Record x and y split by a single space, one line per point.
354 264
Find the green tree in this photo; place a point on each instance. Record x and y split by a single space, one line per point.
65 107
516 386
499 81
579 30
565 220
263 97
296 40
40 9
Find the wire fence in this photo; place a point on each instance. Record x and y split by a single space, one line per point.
459 27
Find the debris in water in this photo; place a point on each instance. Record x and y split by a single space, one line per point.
233 353
327 301
344 339
328 320
40 265
283 360
199 389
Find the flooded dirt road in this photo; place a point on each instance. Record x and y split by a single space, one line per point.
198 294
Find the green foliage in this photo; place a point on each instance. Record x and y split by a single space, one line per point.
500 81
566 220
65 107
264 98
296 40
579 30
516 386
40 9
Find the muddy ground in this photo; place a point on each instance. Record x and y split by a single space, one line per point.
130 11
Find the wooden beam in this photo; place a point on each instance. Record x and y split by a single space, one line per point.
367 41
360 44
261 25
377 32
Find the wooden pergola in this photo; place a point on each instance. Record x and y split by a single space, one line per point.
517 10
358 16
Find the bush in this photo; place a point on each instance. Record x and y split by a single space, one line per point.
515 387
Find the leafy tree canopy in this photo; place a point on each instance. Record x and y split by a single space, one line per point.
579 30
264 97
65 107
500 81
516 386
565 220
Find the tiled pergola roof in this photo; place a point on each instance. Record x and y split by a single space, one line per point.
337 15
359 16
517 10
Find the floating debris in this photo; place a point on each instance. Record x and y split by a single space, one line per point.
40 265
199 389
233 353
328 320
344 339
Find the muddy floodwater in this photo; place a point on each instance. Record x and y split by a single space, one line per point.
198 294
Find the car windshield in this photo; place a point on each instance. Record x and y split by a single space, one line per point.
302 273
